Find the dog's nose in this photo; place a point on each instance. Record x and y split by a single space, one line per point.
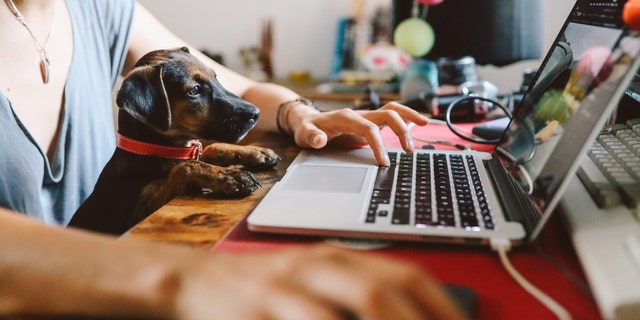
251 116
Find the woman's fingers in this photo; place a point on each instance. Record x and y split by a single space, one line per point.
374 288
396 123
399 119
343 122
356 128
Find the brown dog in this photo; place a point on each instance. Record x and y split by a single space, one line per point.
169 99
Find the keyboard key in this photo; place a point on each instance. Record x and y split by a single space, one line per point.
401 214
599 187
384 179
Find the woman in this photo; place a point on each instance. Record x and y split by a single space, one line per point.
59 62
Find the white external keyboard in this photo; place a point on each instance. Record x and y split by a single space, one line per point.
611 169
607 242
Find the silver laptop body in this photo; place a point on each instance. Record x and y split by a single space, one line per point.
331 192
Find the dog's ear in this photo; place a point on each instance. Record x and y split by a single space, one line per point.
143 95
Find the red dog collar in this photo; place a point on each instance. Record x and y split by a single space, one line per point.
192 152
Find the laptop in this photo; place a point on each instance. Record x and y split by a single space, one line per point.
467 196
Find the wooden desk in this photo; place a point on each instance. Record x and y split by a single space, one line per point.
201 221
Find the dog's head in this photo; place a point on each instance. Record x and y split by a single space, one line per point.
177 95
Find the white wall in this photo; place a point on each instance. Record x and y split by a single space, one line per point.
304 31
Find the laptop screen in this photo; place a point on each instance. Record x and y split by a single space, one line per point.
578 86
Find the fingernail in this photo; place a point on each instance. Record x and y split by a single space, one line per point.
316 140
411 145
387 161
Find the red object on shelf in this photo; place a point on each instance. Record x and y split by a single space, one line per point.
631 14
430 2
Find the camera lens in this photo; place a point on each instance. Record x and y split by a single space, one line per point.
456 71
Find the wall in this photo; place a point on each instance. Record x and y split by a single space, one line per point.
304 31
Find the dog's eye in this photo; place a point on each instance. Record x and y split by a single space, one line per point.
195 91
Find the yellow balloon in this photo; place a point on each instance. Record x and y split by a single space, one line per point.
414 36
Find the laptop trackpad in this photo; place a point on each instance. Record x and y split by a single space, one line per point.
321 178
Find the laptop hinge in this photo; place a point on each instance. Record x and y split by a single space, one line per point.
516 203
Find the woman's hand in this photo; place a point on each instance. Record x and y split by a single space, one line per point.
320 282
355 128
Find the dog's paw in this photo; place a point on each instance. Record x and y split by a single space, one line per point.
196 176
251 157
233 183
257 158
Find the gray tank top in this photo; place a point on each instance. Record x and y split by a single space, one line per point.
52 191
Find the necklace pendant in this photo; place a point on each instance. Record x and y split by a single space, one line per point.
44 60
44 70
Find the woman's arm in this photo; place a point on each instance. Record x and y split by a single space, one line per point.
61 272
56 271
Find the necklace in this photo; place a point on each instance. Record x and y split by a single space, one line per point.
44 59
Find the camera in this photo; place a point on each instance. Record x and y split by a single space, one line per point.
471 110
425 89
468 110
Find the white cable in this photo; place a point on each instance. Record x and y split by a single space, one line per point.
527 177
502 247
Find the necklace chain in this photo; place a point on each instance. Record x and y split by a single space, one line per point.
41 47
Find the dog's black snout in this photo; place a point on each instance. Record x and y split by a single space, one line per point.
248 113
253 117
245 115
240 111
234 118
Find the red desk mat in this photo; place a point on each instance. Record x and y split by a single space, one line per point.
479 268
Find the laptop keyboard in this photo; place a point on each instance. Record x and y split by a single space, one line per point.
611 171
430 189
